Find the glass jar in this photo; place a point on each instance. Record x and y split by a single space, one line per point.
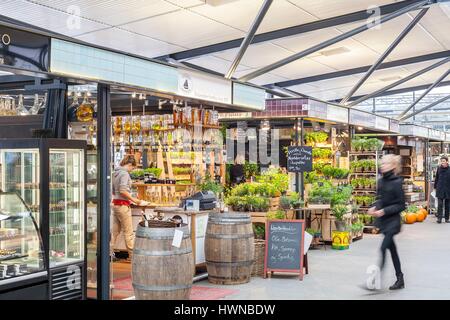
85 111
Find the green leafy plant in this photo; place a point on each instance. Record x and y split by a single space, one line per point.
279 180
322 153
259 230
250 169
412 208
209 184
310 177
276 215
137 174
181 170
339 211
155 171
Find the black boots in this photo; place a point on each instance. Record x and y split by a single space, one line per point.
399 284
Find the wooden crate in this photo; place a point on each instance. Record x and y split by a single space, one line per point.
274 204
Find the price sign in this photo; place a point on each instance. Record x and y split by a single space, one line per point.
299 159
284 246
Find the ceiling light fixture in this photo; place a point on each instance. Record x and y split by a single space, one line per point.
133 95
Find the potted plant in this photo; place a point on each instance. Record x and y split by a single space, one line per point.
339 211
276 215
285 202
259 231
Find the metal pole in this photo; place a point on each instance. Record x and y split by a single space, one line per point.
393 45
439 80
249 37
330 42
392 85
425 108
302 185
297 181
104 191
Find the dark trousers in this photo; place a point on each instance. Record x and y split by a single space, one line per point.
388 243
443 204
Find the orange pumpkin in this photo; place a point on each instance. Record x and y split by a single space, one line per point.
425 213
410 218
420 216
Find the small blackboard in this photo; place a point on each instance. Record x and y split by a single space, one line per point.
284 246
299 159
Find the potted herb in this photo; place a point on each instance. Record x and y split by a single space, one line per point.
276 215
259 231
285 202
339 211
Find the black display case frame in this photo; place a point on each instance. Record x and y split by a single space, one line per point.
66 281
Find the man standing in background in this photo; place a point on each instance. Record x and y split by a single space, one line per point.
442 186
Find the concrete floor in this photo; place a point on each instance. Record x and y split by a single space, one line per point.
424 250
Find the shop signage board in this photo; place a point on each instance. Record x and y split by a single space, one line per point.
317 109
284 246
204 87
382 123
338 114
361 118
249 96
235 115
24 50
299 159
82 61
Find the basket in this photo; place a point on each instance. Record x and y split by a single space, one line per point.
258 265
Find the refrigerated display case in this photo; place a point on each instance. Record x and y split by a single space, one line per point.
22 269
50 175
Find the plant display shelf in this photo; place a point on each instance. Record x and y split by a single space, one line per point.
363 173
364 153
365 190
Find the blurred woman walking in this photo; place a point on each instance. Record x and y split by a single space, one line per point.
387 208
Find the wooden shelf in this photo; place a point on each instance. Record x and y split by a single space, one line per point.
148 185
364 190
363 173
354 153
20 236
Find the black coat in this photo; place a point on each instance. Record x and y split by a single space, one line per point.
442 183
391 199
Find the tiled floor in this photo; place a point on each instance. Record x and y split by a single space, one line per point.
424 250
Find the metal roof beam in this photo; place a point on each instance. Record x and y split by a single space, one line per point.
434 84
290 31
425 108
329 42
396 83
249 37
349 72
391 47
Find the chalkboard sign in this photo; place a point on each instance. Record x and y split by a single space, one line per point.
284 246
299 159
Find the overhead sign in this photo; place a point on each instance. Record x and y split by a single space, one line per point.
204 87
317 109
361 118
78 60
249 96
299 159
382 123
235 115
338 114
24 50
284 246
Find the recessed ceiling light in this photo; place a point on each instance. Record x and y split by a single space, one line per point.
331 52
392 78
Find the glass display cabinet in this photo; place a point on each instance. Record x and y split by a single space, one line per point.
50 176
21 251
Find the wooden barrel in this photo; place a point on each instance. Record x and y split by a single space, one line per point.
229 248
161 271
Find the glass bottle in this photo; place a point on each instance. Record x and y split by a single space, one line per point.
36 105
21 110
85 111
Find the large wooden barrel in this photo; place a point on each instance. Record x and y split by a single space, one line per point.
229 248
161 271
